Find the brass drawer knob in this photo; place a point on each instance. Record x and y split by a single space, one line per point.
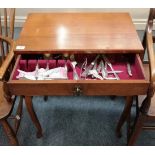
77 91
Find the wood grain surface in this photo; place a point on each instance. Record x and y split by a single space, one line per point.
79 32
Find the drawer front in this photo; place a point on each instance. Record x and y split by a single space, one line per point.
39 89
122 87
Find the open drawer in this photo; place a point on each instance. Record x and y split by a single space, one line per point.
126 85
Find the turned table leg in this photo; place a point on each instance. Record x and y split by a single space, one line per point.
124 115
9 132
29 105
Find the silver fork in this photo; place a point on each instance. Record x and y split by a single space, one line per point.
110 65
85 73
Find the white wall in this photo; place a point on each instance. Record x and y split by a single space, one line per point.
139 16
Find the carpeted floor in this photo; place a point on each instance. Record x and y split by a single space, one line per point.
76 121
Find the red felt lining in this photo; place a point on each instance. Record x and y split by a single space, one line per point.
118 63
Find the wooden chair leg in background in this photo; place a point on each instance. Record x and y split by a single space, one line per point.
137 130
140 119
45 98
124 115
128 121
112 97
9 132
19 114
29 105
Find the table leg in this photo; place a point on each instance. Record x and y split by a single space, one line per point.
124 115
29 105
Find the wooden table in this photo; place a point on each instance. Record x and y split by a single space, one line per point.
78 33
101 32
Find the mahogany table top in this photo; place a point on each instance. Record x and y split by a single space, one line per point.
78 32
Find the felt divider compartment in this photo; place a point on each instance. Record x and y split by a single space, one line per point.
30 65
119 62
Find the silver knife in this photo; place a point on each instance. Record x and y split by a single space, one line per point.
129 69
